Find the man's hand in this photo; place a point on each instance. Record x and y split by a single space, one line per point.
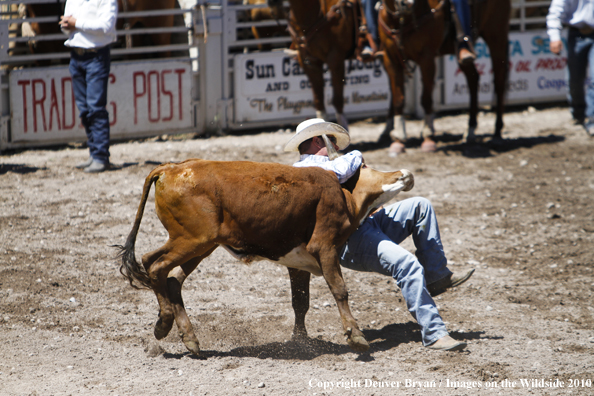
67 22
556 47
375 210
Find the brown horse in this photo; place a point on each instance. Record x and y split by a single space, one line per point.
415 31
156 39
264 14
324 32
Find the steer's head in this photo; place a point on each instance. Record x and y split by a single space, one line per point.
371 188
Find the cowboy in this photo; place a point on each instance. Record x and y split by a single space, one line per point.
374 246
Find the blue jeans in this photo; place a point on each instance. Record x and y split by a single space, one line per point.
463 13
580 57
374 248
371 16
90 74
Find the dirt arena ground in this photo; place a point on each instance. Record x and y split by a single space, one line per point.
521 213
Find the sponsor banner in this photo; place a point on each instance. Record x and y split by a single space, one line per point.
272 86
535 73
142 97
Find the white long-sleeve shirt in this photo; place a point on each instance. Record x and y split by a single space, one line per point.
344 167
576 13
95 23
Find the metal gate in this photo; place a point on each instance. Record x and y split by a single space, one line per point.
218 78
151 86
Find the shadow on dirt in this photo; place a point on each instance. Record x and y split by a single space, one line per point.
18 168
384 339
392 335
299 350
481 148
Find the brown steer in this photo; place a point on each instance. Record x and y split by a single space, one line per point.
296 217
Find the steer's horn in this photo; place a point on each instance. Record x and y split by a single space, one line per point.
332 153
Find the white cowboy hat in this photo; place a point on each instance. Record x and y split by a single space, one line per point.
318 127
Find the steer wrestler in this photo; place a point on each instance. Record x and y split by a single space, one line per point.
373 247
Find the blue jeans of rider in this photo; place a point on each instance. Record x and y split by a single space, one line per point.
463 12
580 58
374 247
90 75
371 15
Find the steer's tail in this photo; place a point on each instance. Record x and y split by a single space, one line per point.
130 268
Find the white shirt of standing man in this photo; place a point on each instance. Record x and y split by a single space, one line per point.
89 23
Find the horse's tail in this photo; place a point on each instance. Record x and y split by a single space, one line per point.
130 268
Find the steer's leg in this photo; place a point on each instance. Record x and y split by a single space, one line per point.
175 280
166 315
300 300
331 271
174 253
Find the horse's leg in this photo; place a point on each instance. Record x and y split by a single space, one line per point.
494 29
472 78
328 259
498 47
175 280
336 66
427 65
314 68
395 127
299 300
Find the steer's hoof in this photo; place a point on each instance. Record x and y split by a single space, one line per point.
428 146
396 148
358 343
162 329
193 347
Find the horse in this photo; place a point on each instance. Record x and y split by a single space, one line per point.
324 32
416 31
264 14
134 22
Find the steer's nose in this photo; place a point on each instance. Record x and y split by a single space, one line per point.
408 179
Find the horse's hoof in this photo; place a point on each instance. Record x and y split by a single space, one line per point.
396 148
162 329
358 343
428 146
497 141
299 336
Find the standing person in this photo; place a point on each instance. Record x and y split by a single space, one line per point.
579 15
373 247
90 25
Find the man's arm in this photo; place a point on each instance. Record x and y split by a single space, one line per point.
344 167
558 12
105 21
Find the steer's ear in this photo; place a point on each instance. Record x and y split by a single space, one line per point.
350 184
